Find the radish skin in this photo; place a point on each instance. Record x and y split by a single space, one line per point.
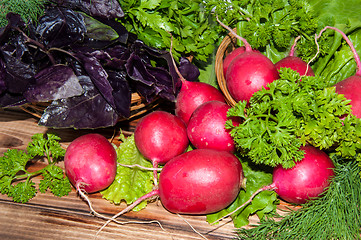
248 72
90 163
206 127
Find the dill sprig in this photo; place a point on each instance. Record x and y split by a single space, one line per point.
27 9
335 215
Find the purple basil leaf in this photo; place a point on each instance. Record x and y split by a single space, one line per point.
60 27
10 99
88 111
121 92
19 75
100 8
188 70
53 83
98 75
2 76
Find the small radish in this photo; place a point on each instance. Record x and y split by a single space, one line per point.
160 136
206 127
248 72
90 163
295 63
308 179
200 181
193 94
351 86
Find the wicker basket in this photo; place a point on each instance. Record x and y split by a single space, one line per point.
227 45
138 107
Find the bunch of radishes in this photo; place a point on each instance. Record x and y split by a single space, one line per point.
208 178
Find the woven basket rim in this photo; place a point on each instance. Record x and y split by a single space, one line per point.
223 49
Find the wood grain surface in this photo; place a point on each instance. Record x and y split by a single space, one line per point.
69 217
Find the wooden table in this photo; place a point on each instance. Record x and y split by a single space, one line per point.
69 217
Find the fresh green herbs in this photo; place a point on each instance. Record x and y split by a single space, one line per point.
291 113
130 183
271 25
335 215
153 21
28 10
15 179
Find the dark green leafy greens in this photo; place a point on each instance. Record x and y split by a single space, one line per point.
335 215
130 183
188 21
292 113
15 179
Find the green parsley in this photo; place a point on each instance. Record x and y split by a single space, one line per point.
15 179
291 113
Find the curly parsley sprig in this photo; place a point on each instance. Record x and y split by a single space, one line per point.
291 113
15 179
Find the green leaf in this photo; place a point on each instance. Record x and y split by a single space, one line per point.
55 181
22 192
130 183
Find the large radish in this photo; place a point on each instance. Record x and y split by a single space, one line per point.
248 72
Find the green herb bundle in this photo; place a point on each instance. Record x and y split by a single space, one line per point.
294 112
335 215
15 179
28 10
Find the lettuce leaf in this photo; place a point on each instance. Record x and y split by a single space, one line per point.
130 183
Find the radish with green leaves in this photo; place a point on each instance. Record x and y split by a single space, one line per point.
308 179
248 72
192 95
351 86
295 63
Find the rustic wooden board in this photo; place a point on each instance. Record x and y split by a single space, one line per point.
69 217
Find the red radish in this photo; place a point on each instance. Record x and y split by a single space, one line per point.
248 72
232 55
90 163
295 63
160 136
308 179
206 127
351 86
193 94
201 181
228 59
